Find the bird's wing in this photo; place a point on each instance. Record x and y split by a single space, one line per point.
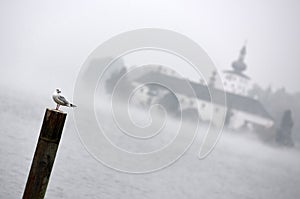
63 99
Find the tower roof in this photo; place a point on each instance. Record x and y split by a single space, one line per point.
239 65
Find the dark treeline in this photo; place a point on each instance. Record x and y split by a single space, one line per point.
277 102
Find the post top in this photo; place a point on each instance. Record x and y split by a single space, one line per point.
54 110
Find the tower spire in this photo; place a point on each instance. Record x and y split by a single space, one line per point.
243 51
239 65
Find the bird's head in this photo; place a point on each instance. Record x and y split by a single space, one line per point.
58 90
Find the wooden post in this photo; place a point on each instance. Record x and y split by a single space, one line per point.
44 155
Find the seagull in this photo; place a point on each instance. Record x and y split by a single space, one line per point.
60 100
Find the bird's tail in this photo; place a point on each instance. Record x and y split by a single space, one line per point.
72 105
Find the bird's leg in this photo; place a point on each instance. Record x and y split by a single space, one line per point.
57 107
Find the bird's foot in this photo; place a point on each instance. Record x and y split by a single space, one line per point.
57 107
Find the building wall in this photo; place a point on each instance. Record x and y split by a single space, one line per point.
208 110
236 84
239 118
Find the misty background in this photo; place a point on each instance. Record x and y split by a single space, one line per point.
44 44
45 40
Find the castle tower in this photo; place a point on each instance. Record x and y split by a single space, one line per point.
235 81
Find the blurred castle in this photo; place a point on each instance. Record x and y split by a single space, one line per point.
242 110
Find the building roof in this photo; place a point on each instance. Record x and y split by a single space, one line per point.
237 73
234 101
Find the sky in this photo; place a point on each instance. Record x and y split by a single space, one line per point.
44 43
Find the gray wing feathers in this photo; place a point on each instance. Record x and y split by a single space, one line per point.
63 100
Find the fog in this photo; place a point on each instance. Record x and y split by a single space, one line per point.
241 166
43 45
